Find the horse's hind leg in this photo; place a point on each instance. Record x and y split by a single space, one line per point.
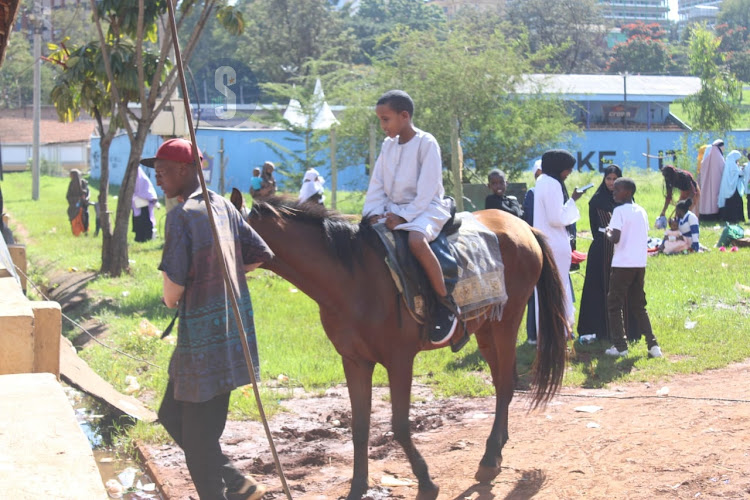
359 381
399 376
497 344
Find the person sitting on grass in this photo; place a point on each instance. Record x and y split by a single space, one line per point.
674 242
498 199
688 224
406 191
628 230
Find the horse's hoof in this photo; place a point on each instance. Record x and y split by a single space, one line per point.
428 495
486 474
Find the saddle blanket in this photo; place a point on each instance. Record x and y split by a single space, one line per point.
480 290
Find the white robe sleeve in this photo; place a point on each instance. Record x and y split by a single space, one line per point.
376 198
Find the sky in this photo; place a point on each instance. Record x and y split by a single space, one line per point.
673 10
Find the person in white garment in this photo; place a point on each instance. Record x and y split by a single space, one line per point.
312 187
553 211
406 193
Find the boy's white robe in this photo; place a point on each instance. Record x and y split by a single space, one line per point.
551 216
407 180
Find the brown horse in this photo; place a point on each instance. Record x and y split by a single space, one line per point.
340 265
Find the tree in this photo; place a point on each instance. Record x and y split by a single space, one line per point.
82 85
312 141
474 80
734 29
280 37
645 51
375 18
137 70
714 106
575 28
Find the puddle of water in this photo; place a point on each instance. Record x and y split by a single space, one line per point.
122 476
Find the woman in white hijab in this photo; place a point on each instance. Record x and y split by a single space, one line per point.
312 187
732 190
553 211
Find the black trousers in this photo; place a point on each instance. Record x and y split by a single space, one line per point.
196 428
626 290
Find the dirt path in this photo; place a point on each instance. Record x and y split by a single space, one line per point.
638 445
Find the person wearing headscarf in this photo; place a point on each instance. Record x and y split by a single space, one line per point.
553 211
143 204
528 216
675 178
732 189
712 169
312 187
592 320
78 202
268 182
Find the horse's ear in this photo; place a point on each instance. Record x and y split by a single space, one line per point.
236 199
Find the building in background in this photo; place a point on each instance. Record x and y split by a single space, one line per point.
698 11
629 11
450 7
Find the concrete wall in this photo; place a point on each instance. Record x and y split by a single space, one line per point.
29 330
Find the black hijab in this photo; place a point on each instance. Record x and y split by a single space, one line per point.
554 163
603 198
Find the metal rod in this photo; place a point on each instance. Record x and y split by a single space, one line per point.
228 284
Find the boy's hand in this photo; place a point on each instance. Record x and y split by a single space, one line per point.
373 219
576 194
392 220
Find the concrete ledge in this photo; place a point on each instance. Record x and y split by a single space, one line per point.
43 451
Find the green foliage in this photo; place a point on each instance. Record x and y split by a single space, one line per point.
374 19
640 55
714 106
311 142
573 29
474 81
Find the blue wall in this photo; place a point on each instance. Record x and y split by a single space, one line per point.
625 148
245 149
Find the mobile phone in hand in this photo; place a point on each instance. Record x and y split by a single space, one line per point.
586 187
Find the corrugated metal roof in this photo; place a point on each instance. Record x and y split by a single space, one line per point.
612 87
20 131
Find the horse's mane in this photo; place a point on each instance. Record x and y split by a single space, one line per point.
344 236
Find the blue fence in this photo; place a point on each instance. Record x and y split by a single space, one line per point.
246 149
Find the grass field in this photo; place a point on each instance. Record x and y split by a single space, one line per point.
711 289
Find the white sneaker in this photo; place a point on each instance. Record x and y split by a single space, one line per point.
531 342
612 351
655 352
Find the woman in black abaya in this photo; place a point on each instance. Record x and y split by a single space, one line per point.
592 320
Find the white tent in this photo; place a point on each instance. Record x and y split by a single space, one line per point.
323 118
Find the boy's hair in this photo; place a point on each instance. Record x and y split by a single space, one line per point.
627 183
398 101
256 170
495 172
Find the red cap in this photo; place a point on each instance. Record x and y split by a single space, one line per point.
178 150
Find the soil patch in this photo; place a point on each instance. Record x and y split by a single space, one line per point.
689 443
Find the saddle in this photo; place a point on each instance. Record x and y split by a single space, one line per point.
469 255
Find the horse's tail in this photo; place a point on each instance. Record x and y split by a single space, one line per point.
549 366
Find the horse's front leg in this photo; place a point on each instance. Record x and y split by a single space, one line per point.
399 376
359 381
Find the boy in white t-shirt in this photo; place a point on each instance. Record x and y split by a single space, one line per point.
628 230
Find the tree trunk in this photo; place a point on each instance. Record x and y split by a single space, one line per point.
106 227
118 248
